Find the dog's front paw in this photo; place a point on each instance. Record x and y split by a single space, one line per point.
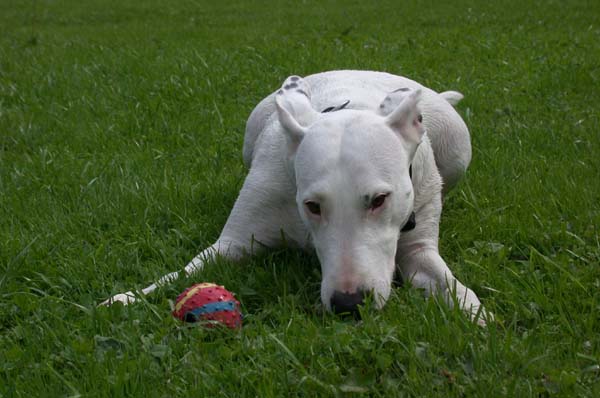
479 314
469 303
125 298
483 318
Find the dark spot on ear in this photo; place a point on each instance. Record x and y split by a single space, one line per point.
401 89
302 92
295 78
280 92
293 85
286 87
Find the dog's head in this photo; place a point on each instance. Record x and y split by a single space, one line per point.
354 192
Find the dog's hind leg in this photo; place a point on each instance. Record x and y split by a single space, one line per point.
447 132
449 136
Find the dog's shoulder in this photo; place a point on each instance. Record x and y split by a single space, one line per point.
262 115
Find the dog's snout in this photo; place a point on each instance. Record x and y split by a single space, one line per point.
347 302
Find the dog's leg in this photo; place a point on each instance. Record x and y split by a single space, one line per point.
425 269
421 264
257 219
221 248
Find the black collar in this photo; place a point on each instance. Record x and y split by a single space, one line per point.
411 223
335 108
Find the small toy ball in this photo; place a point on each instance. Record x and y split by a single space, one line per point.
208 302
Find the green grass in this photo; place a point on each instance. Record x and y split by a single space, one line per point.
121 125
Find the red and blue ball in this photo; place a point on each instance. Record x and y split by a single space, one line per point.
209 303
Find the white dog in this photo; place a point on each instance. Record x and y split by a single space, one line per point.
352 163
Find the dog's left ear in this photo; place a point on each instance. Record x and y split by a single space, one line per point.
406 120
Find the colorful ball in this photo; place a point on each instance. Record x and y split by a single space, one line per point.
208 302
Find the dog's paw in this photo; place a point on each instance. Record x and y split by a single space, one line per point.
479 315
125 298
484 318
295 85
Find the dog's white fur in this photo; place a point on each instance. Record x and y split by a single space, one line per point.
342 161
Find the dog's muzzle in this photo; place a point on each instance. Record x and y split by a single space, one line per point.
347 302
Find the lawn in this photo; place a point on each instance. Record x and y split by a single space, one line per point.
121 126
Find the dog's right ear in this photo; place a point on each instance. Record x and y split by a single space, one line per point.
295 110
293 130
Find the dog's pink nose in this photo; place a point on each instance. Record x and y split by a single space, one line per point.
347 302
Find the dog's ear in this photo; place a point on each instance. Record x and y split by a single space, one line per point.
294 109
406 120
392 100
293 130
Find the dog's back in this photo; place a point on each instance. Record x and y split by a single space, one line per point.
447 131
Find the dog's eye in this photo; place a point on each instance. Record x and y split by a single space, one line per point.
313 207
420 118
378 201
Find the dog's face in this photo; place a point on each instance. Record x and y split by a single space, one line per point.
354 194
